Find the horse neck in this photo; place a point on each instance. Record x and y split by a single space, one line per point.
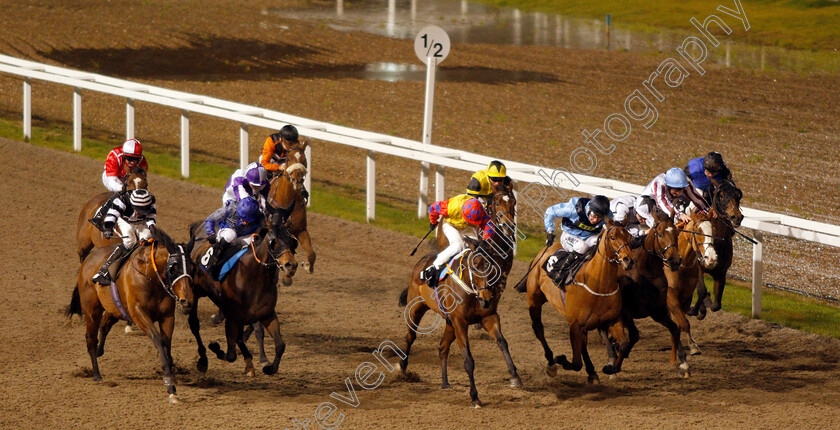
599 267
283 191
685 243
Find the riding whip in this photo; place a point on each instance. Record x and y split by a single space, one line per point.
421 240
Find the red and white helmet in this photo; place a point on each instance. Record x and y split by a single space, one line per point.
132 148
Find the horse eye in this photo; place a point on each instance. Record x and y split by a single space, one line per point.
612 237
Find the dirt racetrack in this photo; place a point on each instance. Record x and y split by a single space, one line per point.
751 374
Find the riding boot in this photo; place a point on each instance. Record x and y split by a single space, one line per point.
304 193
216 256
430 276
99 216
563 272
104 276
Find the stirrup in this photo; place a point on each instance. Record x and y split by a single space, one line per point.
103 279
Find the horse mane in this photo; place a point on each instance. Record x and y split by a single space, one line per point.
160 236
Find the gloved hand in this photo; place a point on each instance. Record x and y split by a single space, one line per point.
549 239
212 239
432 225
153 230
107 234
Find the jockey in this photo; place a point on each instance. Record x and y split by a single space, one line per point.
119 163
581 221
670 191
461 216
705 172
624 213
252 182
134 215
235 225
485 182
276 149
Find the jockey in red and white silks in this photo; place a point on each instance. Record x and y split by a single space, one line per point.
119 163
671 191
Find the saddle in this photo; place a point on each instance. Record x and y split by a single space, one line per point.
554 266
225 262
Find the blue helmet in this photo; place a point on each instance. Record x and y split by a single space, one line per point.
248 210
675 178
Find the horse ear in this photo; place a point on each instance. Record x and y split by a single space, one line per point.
190 245
304 143
609 222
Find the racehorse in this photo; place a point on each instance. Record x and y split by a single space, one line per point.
248 294
155 278
725 216
286 192
651 288
469 295
592 301
87 235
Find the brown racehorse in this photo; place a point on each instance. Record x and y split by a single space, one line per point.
87 236
285 191
726 215
591 302
155 278
248 294
651 288
478 271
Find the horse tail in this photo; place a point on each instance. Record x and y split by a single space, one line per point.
404 297
75 307
522 286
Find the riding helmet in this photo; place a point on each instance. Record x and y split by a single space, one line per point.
599 205
675 178
473 212
496 169
248 210
132 148
141 199
254 176
713 162
289 133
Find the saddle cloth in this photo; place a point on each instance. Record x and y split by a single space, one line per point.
230 257
552 266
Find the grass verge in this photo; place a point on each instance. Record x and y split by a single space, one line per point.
787 309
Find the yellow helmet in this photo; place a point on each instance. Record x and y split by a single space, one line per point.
496 169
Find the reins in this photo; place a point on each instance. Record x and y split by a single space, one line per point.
611 261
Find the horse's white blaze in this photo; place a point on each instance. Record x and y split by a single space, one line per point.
136 182
506 198
669 229
709 254
297 156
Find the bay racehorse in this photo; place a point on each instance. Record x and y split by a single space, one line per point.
469 295
248 294
154 279
87 235
286 192
591 302
726 215
652 289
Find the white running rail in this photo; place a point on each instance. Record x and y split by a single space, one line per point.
441 157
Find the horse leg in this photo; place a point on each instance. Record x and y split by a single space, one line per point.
306 243
535 305
231 334
719 283
93 316
699 306
259 333
201 365
616 329
493 326
461 335
416 314
592 376
610 347
678 316
443 352
105 325
167 325
677 348
576 339
246 353
272 326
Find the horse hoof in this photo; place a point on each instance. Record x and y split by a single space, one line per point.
173 399
269 370
551 370
286 281
100 352
695 350
216 349
593 380
701 315
97 378
684 371
128 329
692 311
445 386
168 381
402 367
217 319
250 372
609 370
306 266
515 383
201 365
476 404
715 307
561 360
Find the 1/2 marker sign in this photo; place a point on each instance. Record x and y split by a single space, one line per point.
433 42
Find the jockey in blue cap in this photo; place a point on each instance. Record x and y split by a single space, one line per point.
706 172
235 224
671 191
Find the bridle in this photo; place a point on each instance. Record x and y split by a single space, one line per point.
494 213
607 245
176 258
660 254
273 259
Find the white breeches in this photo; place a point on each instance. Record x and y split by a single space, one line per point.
112 183
575 244
456 243
229 236
132 232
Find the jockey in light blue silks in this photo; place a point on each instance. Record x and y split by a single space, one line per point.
581 221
